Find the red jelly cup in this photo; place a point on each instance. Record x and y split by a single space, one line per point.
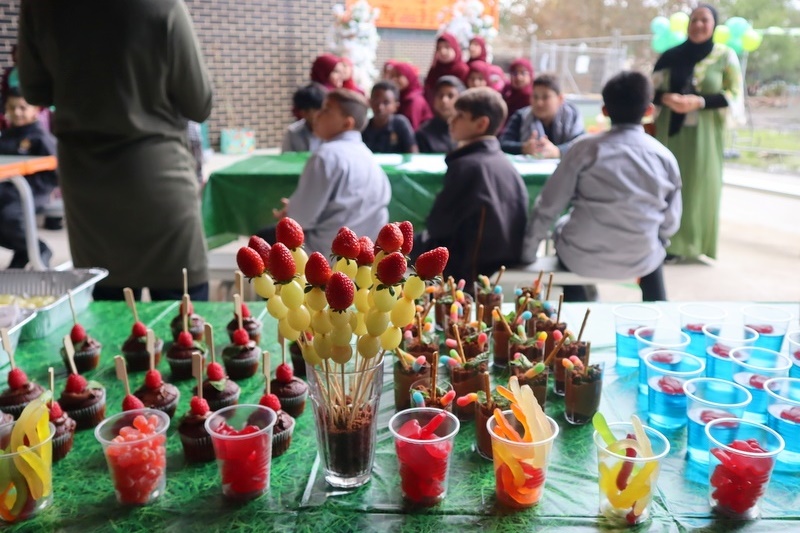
423 440
134 443
242 439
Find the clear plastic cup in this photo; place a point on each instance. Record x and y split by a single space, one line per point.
708 399
720 340
667 371
738 472
33 484
528 459
627 319
752 367
423 387
793 339
243 455
693 317
783 415
631 504
770 322
137 460
661 338
424 460
582 398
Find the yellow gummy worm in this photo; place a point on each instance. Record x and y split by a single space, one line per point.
45 451
639 487
31 470
21 490
608 478
506 457
528 434
507 429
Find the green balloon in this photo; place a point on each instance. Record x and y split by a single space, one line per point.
738 26
751 40
659 25
722 34
736 44
676 38
661 43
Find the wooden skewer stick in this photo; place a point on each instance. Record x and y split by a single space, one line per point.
265 368
122 373
209 336
420 325
237 308
479 316
538 284
583 325
452 283
7 347
549 286
555 350
185 280
523 306
186 303
458 343
197 372
401 356
239 279
487 390
131 301
499 275
52 375
69 349
503 320
588 351
72 307
151 348
558 312
434 375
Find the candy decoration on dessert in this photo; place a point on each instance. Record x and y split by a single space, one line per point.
139 329
739 480
130 402
417 399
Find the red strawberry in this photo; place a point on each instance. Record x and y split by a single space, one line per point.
17 379
249 262
55 411
215 372
185 339
152 380
408 236
318 271
281 263
289 232
77 334
346 244
271 401
261 247
241 337
390 238
367 254
284 373
432 263
245 311
139 329
340 291
75 384
131 402
392 268
199 406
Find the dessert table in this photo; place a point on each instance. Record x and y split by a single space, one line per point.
299 499
265 179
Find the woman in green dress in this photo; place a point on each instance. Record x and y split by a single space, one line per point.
698 85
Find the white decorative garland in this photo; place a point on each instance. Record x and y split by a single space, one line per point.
355 37
465 19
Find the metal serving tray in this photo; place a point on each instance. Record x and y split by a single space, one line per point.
14 333
51 283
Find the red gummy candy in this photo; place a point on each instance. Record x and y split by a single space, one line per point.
739 481
797 355
762 329
757 381
137 463
707 415
721 350
671 385
696 328
663 357
792 415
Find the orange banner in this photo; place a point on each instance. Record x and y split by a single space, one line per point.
419 14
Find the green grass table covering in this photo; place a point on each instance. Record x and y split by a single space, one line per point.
240 198
299 500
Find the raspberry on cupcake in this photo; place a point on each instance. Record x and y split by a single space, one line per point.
241 356
196 442
20 391
291 391
84 401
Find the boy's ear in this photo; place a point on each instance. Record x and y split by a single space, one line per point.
650 110
605 111
483 124
350 123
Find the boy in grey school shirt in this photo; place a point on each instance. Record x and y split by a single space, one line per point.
624 189
342 183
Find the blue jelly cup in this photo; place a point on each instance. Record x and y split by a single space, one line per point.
793 341
627 319
770 322
667 371
693 317
752 368
661 338
783 415
720 340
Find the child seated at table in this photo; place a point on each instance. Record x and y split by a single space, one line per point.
547 127
433 137
480 213
341 184
388 132
25 136
299 136
625 191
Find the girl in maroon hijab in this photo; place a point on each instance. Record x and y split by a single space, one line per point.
412 102
478 74
447 61
348 82
328 71
497 78
517 93
477 49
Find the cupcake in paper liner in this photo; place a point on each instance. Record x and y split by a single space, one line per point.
179 355
157 394
250 324
220 393
284 425
19 394
196 325
241 358
291 391
197 446
64 431
84 401
135 352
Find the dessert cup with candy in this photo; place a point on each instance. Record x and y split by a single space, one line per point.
466 378
421 345
488 294
422 394
451 303
532 374
406 371
584 388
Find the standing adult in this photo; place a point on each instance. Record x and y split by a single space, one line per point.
125 77
697 84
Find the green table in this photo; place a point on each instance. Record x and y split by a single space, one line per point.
300 501
239 199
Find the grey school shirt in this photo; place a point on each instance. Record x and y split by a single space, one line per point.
625 191
341 185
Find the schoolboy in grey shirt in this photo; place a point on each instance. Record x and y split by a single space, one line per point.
624 189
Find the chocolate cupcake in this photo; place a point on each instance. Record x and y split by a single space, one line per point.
197 446
156 394
87 350
6 425
291 391
218 390
84 401
135 349
20 393
196 324
65 431
284 425
179 355
241 358
251 325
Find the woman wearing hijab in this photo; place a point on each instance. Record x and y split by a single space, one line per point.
477 49
413 105
517 93
697 83
328 71
446 62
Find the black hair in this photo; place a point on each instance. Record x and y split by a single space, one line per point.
627 96
353 105
387 86
484 102
14 92
450 81
549 81
308 97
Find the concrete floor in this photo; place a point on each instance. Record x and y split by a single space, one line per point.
759 245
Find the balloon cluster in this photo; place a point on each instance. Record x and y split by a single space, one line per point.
736 33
